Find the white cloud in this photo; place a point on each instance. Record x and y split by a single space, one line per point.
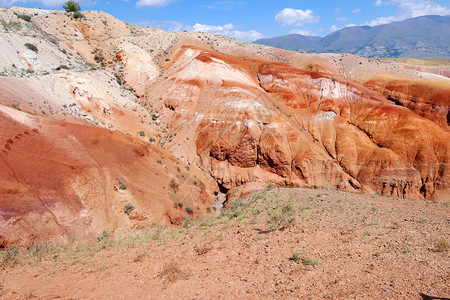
355 11
153 3
227 29
334 28
378 3
303 32
247 36
225 5
296 17
411 9
341 19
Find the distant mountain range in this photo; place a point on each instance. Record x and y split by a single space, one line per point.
421 37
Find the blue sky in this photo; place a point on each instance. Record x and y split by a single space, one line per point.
252 19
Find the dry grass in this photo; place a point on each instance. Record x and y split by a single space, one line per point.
172 272
441 245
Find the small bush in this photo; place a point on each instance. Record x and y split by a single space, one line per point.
189 209
178 204
310 262
9 257
31 47
122 185
103 237
24 17
159 161
141 133
167 59
282 219
152 140
128 208
307 261
78 15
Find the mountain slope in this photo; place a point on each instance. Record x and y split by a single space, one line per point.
427 36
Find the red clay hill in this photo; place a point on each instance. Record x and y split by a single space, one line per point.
106 116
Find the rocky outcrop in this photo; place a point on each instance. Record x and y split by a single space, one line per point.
269 122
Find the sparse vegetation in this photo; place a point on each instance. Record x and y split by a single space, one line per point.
189 209
128 208
14 26
77 15
24 17
9 257
441 245
301 257
282 218
141 133
31 47
103 237
159 161
172 272
122 185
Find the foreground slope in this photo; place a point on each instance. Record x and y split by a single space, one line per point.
334 245
62 180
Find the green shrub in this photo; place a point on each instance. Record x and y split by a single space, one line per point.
128 208
11 25
189 209
141 133
103 237
78 15
122 185
178 204
284 218
307 261
71 6
31 47
24 17
159 161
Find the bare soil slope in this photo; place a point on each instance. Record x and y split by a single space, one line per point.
59 179
281 243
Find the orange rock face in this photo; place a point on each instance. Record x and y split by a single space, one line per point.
428 99
60 180
256 121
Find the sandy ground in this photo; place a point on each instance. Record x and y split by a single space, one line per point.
281 243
